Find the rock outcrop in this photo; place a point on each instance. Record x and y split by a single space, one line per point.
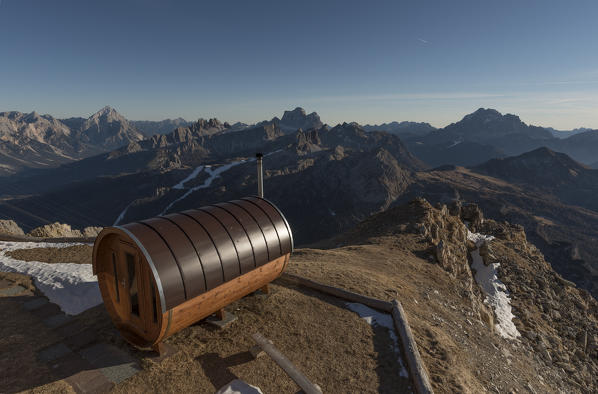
10 227
91 232
55 230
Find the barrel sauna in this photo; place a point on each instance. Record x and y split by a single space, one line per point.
160 275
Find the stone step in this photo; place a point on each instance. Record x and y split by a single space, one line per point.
12 291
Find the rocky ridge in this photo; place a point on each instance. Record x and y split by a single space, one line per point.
60 230
404 128
558 321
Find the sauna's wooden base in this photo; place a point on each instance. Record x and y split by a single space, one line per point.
209 303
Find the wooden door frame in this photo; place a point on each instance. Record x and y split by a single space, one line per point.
129 317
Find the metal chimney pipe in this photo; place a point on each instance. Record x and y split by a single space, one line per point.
260 175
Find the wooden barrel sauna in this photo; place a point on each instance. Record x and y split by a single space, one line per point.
160 275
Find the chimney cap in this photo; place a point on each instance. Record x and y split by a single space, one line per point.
259 155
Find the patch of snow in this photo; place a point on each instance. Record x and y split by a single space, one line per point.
478 238
238 386
193 174
331 212
496 292
375 318
455 143
213 174
72 287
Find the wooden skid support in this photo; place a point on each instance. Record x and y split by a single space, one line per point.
414 361
340 293
284 363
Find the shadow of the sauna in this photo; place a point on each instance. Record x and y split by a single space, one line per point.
40 354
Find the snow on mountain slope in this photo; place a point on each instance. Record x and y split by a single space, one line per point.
496 293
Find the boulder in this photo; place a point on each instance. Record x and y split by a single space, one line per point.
473 215
91 232
10 227
55 230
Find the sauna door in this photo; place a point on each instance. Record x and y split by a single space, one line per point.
132 284
140 305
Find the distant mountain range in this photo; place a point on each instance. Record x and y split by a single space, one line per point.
567 133
486 134
149 128
40 141
402 129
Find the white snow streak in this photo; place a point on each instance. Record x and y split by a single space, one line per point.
213 175
73 287
194 174
496 292
123 213
375 318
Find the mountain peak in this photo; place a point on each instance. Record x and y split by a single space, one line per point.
483 113
542 166
107 113
298 111
106 110
299 119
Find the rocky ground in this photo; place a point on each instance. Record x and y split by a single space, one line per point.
77 254
332 345
53 230
420 253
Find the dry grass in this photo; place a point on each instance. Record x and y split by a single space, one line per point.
332 346
460 352
78 254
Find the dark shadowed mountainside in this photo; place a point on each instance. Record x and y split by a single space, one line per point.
149 128
402 128
547 171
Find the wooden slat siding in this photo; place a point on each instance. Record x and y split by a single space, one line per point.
284 363
418 372
341 293
204 305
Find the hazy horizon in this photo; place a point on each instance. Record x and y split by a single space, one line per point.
349 61
279 115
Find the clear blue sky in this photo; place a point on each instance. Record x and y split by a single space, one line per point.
364 61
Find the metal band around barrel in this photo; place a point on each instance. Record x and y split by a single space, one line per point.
151 264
